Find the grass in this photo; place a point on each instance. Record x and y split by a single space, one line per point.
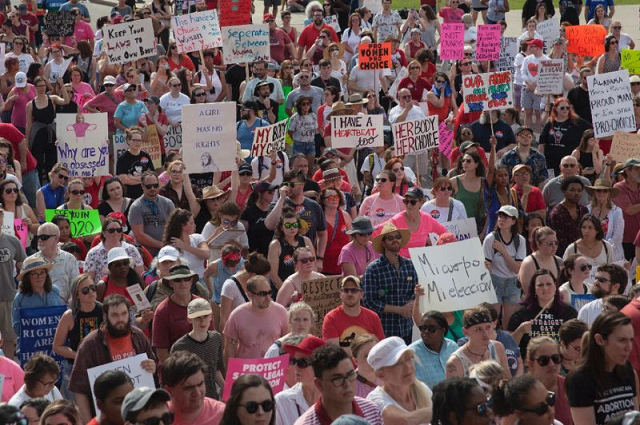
514 4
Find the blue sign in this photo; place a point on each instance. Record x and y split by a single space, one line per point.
37 329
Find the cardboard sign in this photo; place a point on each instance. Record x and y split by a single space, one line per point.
83 222
488 42
445 140
585 40
269 139
452 41
22 231
580 300
623 147
139 298
611 103
631 61
129 41
374 56
549 30
508 52
323 295
37 329
173 138
550 77
354 131
234 12
209 137
83 143
246 43
273 369
131 366
453 276
415 136
462 229
59 24
196 31
151 145
487 92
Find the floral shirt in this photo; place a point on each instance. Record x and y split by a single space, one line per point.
97 259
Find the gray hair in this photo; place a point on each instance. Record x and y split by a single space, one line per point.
291 339
50 227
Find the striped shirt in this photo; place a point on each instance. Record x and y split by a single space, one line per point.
316 415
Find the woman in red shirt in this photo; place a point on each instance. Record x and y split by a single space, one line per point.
414 82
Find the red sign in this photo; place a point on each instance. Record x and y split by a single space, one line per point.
234 12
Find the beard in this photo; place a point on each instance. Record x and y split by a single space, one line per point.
117 332
598 292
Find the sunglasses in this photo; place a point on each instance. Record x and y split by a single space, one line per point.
182 279
585 267
228 222
544 360
543 407
91 288
483 408
568 165
381 180
261 293
410 201
199 94
76 192
173 47
602 279
465 64
295 225
563 108
363 234
176 85
466 161
332 198
413 67
166 419
616 28
446 189
114 230
63 177
11 190
391 238
45 237
351 290
152 186
301 363
252 406
307 260
429 328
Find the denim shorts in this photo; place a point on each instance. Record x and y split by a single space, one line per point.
507 290
529 100
308 149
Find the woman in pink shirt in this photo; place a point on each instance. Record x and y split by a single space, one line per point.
13 378
82 92
384 204
452 14
21 94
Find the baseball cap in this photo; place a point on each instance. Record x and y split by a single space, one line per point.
198 307
509 210
21 80
154 99
351 278
331 173
520 167
536 42
117 253
138 398
631 162
521 129
109 79
168 253
387 352
466 145
245 168
414 192
307 346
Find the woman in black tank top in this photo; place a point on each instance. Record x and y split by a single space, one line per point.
544 256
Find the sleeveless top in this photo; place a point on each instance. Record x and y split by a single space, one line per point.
413 49
555 260
472 201
45 115
337 239
83 325
285 261
466 361
224 273
586 159
429 35
612 65
113 289
443 111
52 198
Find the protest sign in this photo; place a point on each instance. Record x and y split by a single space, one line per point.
624 146
269 139
415 136
83 222
234 12
209 137
488 42
246 43
354 131
579 300
323 295
273 369
374 6
59 24
374 56
462 229
119 146
486 92
548 30
37 329
550 77
585 40
129 365
631 61
508 52
22 231
453 276
611 103
151 145
452 41
139 298
196 31
173 138
83 143
329 20
7 223
129 41
445 139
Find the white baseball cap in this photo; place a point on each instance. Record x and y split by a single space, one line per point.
168 253
21 80
387 352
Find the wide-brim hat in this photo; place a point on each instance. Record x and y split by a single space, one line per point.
360 225
340 108
262 84
356 99
32 264
327 55
212 192
602 184
180 271
387 229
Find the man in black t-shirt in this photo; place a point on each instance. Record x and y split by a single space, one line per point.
579 96
131 164
254 215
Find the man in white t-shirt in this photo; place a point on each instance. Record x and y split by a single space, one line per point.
532 102
611 279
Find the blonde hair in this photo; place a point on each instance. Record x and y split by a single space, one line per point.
419 395
488 371
537 342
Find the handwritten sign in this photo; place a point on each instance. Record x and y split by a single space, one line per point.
611 102
22 231
548 30
374 56
462 229
7 223
452 41
234 12
131 366
273 369
623 147
59 24
83 143
631 60
83 222
354 131
197 31
209 137
151 145
269 139
129 41
173 138
415 136
453 276
486 92
37 329
246 43
323 295
585 40
508 52
550 77
488 42
445 140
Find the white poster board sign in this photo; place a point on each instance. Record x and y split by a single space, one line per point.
611 103
83 143
508 52
129 41
550 77
246 43
462 229
7 223
416 135
549 30
355 131
269 139
453 276
196 31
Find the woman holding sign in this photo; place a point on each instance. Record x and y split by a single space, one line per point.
12 202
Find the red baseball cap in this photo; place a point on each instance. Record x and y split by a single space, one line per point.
536 42
307 346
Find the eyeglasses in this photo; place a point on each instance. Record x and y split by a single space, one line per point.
585 267
228 222
301 363
199 94
602 279
410 201
45 237
544 360
381 180
39 273
391 238
91 288
76 192
465 64
47 384
568 165
332 198
120 263
616 28
252 406
152 186
339 381
351 290
261 293
176 85
446 189
551 243
113 230
482 408
429 328
307 260
11 190
295 225
413 67
63 177
563 108
543 407
166 419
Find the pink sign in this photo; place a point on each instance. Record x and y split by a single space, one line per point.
22 230
488 43
452 41
445 140
273 370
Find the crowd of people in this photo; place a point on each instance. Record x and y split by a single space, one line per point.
223 258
